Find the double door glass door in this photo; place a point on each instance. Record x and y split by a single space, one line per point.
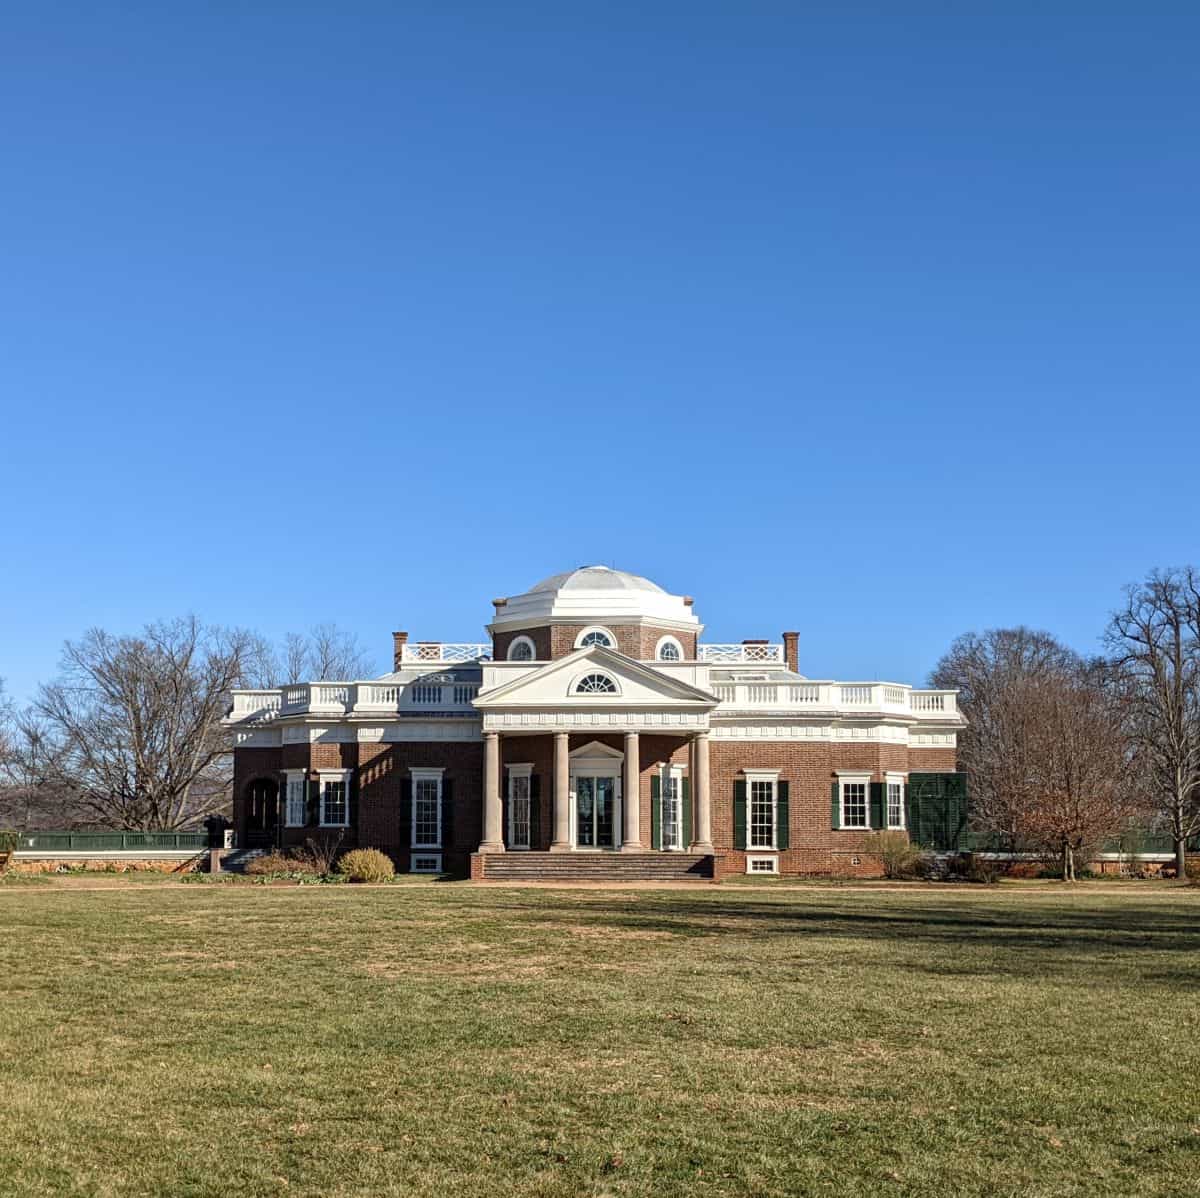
595 807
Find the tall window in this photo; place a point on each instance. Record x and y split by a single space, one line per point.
335 804
895 804
518 809
596 684
854 805
672 809
762 814
296 814
427 811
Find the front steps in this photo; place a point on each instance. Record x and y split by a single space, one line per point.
593 867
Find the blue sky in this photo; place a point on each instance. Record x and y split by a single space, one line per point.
876 321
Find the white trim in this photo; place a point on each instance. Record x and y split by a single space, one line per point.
770 778
894 778
608 632
327 776
434 858
669 640
425 774
844 778
298 777
668 772
521 640
515 771
754 858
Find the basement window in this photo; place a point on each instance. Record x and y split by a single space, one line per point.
762 865
426 863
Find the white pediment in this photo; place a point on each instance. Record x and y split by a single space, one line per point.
571 682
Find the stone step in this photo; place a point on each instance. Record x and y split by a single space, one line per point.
628 867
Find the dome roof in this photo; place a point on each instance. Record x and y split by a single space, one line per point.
596 578
596 594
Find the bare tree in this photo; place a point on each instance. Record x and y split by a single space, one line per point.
324 652
1154 641
34 791
991 671
139 721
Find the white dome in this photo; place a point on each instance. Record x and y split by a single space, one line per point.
596 594
596 578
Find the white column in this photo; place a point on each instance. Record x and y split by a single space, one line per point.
631 807
493 834
562 796
702 824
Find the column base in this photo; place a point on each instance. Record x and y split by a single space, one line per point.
491 846
633 846
562 847
700 846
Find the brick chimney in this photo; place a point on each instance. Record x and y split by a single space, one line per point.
791 651
399 640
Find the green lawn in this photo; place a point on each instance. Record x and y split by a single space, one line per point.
456 1040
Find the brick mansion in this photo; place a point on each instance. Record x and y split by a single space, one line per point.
594 734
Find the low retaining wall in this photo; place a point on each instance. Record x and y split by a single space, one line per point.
163 861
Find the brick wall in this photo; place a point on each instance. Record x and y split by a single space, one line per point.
557 640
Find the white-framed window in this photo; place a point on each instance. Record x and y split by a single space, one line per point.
894 790
335 798
295 812
595 635
671 810
762 865
520 806
669 649
761 787
522 648
596 684
426 694
427 808
855 791
425 863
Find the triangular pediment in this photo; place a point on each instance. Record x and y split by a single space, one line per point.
634 683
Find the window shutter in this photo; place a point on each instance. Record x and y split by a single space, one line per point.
782 838
535 811
909 822
837 806
314 802
656 810
352 801
878 809
406 797
687 813
447 813
739 815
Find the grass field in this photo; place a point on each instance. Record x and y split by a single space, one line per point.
457 1040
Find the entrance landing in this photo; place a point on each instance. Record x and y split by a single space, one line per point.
592 867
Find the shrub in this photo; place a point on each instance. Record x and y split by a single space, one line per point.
273 863
366 865
320 852
8 841
901 858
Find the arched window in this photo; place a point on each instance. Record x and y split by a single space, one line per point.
669 649
521 649
596 684
595 636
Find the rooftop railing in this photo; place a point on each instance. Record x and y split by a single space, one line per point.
445 652
754 651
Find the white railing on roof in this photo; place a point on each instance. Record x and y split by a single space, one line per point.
445 651
740 653
247 703
344 698
886 697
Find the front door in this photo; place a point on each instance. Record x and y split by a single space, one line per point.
595 807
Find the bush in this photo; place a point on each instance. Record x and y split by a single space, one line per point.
320 852
901 858
366 865
274 863
8 841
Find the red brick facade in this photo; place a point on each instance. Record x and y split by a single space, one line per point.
552 641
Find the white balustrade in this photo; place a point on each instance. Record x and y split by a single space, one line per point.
445 651
740 653
895 695
855 695
808 693
935 702
255 702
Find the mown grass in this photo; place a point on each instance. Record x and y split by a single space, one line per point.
447 1039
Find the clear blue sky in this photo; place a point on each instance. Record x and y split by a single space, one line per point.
878 321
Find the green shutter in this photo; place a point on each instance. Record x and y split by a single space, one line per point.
739 815
535 811
782 829
905 797
878 806
938 811
314 803
406 797
447 813
836 818
687 813
655 810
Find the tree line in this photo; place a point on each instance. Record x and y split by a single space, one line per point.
129 734
1064 751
